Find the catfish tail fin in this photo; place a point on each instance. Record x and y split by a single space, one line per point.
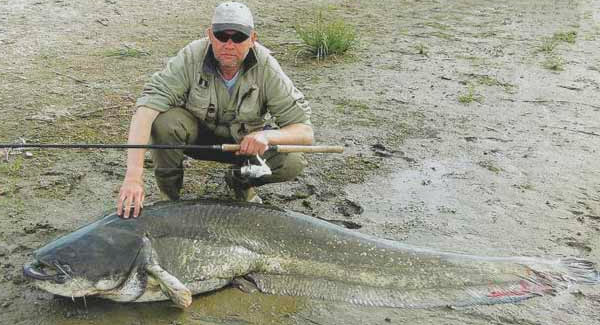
536 283
581 271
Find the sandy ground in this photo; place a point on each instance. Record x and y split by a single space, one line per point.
513 172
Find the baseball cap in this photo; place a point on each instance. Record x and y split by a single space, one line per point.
233 16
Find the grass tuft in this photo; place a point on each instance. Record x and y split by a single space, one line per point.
568 37
490 166
12 167
324 37
127 52
361 112
470 96
422 49
554 63
491 81
548 45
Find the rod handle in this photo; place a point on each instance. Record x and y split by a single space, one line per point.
230 147
297 148
290 148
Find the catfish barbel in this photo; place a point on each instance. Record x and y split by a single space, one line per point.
178 249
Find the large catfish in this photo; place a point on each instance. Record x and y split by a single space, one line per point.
176 250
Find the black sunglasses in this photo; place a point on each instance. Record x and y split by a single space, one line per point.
237 37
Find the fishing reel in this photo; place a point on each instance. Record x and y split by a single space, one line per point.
255 171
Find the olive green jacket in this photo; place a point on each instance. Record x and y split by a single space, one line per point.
262 92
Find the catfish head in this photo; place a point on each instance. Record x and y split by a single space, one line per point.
98 259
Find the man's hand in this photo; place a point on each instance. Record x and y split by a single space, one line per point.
130 195
132 190
255 143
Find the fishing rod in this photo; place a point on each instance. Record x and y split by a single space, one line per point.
249 170
219 147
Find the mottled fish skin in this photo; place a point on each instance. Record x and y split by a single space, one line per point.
208 244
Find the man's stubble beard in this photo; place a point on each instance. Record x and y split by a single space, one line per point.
230 65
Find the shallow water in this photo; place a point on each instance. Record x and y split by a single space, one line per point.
228 306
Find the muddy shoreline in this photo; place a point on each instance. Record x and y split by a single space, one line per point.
466 128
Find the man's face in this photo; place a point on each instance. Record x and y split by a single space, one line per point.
229 53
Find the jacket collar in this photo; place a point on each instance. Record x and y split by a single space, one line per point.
211 64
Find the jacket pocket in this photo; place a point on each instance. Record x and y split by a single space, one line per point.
249 107
249 116
199 101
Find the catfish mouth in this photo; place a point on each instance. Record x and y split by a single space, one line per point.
47 272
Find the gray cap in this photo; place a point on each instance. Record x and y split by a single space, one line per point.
233 16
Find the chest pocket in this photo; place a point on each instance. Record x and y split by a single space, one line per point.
250 111
202 102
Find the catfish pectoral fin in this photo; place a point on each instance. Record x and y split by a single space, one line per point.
171 286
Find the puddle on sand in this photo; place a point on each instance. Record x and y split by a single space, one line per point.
228 306
440 205
424 191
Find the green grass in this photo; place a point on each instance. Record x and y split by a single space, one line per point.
126 52
488 81
442 35
548 45
470 96
491 81
325 36
524 187
353 170
11 205
490 166
436 25
13 167
554 63
362 114
476 61
422 49
567 37
348 105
